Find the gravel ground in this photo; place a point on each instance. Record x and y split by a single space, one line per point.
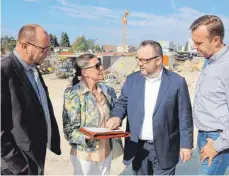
61 165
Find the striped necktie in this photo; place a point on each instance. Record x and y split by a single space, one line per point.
44 103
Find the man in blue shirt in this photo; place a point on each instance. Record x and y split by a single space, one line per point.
210 109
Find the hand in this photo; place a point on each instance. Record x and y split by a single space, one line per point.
208 151
113 123
88 137
185 154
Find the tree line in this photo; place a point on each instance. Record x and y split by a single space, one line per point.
81 44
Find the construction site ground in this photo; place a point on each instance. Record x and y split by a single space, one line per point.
61 165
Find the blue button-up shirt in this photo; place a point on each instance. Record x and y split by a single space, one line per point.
27 68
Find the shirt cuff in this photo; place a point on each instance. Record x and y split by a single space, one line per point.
218 144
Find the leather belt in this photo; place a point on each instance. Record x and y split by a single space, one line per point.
217 131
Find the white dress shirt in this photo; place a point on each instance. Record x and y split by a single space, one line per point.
152 86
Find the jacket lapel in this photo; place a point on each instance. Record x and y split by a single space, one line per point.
141 91
25 81
165 82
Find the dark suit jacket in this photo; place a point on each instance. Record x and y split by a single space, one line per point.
23 127
172 117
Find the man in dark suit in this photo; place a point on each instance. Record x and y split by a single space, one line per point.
28 124
159 117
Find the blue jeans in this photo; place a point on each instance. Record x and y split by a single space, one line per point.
219 163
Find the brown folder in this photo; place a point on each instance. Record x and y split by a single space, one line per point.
103 133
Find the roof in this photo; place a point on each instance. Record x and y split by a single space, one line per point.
109 48
72 54
66 53
114 54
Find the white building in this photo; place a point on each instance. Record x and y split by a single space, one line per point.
58 49
167 46
121 48
191 46
178 47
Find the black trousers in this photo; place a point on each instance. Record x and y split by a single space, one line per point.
9 172
145 161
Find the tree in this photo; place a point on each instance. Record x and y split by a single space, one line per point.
64 40
53 41
93 46
8 43
97 48
83 45
80 44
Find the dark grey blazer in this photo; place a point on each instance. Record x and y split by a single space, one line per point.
23 127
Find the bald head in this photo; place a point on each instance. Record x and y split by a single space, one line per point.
33 44
30 32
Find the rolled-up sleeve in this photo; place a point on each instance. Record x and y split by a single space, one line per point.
222 143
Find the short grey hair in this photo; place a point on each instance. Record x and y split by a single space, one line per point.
214 25
156 45
80 63
82 60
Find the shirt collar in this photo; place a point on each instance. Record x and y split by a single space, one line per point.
217 55
150 79
24 64
85 89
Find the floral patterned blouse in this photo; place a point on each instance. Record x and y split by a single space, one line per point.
80 110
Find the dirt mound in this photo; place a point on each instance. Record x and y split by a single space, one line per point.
195 64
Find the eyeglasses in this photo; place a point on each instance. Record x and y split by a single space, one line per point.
145 61
96 66
43 49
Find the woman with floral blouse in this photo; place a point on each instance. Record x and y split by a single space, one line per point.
87 103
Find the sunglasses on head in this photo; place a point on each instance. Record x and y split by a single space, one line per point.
97 66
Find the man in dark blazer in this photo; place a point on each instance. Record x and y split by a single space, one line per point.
159 117
28 124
